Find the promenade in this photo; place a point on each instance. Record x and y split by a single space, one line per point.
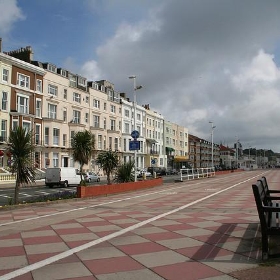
199 229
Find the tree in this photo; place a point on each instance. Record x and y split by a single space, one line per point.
108 160
83 143
21 148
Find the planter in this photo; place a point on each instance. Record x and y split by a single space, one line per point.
91 191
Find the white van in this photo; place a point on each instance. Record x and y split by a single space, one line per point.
62 176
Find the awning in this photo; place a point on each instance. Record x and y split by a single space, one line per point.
151 141
180 158
169 149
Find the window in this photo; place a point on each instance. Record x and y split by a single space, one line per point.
55 136
82 81
113 109
124 145
52 68
23 81
3 130
116 144
55 159
110 143
4 100
63 73
38 107
52 109
86 117
99 142
65 115
126 128
96 103
111 95
39 86
104 123
105 106
5 75
47 135
26 126
96 121
52 90
65 94
113 125
37 134
87 99
23 104
126 113
64 140
72 80
138 117
47 160
14 124
76 116
76 97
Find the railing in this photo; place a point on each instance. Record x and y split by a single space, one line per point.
196 173
7 177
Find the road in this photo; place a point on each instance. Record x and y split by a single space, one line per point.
38 190
198 229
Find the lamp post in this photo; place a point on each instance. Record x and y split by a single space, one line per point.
212 136
237 149
134 124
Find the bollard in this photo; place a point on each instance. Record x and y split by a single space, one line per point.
144 176
154 174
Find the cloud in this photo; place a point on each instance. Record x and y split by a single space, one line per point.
11 13
204 60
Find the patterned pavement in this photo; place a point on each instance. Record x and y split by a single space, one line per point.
200 229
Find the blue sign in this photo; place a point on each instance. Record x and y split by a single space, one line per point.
153 161
135 134
134 145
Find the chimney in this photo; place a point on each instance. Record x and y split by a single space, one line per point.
0 45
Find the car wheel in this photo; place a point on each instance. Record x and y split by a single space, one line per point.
65 184
98 180
89 180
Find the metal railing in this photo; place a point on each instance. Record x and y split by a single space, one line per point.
196 173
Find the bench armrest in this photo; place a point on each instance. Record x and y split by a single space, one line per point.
273 197
274 191
271 209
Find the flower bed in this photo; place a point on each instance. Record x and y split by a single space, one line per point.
90 191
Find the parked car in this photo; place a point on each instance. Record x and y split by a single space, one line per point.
159 170
91 177
142 172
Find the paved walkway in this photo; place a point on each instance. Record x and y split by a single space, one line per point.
202 229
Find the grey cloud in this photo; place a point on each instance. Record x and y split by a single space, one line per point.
185 56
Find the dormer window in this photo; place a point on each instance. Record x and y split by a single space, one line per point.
82 81
52 68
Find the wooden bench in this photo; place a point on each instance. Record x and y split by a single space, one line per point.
268 211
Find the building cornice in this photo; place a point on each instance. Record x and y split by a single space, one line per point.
22 64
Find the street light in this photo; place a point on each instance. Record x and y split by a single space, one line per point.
212 136
134 128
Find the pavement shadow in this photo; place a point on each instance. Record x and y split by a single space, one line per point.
241 241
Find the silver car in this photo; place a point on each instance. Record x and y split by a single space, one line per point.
91 177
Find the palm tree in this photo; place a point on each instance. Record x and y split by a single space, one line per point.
125 172
83 143
108 160
21 148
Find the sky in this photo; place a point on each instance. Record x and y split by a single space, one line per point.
197 60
